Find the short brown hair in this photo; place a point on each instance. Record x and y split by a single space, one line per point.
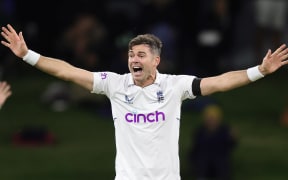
151 40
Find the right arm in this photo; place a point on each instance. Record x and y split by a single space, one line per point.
52 66
65 71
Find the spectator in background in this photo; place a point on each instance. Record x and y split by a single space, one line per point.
83 42
5 92
271 20
163 20
213 144
214 34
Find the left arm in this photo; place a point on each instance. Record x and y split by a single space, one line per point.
234 79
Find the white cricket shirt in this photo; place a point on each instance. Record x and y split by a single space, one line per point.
147 122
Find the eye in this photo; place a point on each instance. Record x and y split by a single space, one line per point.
141 56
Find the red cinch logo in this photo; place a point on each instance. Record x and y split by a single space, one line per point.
145 118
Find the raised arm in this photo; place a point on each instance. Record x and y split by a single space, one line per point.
55 67
234 79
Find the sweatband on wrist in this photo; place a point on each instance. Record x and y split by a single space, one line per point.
31 57
254 73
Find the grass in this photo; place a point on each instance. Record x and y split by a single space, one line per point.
86 147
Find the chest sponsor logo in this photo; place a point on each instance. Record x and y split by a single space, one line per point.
145 118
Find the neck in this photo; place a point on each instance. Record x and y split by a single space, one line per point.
150 80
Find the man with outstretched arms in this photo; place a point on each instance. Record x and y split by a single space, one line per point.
146 105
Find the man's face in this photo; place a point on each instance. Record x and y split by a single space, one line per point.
142 64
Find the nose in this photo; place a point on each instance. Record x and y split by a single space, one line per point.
133 59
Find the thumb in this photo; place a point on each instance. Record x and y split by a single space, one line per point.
268 54
21 36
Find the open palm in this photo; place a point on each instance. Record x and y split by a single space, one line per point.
14 41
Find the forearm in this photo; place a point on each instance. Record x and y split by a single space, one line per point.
60 69
227 81
231 80
55 67
65 71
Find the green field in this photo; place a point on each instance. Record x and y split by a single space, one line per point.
86 148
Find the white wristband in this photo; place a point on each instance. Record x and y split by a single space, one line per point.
254 73
31 57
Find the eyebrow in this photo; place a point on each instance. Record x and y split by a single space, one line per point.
141 52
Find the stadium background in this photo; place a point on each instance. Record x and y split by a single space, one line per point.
84 134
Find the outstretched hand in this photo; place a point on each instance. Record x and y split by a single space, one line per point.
275 60
14 41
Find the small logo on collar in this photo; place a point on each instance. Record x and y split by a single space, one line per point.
103 75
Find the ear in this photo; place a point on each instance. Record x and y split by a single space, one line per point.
157 60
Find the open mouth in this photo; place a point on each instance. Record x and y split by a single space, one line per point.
137 69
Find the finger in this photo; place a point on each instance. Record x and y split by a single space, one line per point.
268 54
9 93
2 83
21 36
284 58
284 62
5 31
283 54
283 46
5 36
5 44
6 89
11 29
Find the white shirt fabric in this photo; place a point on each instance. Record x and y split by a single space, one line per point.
147 122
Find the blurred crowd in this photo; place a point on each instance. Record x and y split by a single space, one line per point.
202 38
205 38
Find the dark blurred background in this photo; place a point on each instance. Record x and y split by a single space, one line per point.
72 131
202 38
